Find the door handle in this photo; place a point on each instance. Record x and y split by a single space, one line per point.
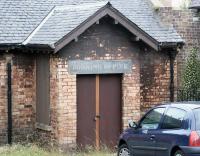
96 117
152 137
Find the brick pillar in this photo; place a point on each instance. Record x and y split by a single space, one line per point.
131 95
66 105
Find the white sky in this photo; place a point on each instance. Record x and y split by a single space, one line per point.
173 3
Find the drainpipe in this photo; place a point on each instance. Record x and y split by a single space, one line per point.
172 56
9 98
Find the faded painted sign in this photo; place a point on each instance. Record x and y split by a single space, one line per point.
100 66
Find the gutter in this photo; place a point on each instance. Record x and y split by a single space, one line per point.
26 48
194 7
9 46
172 56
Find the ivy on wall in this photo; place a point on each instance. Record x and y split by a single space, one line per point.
191 73
191 78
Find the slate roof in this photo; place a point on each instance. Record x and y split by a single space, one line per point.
195 4
62 21
47 21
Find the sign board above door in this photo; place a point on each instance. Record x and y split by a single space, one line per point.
100 66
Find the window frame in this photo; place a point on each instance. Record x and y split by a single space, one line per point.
139 125
195 118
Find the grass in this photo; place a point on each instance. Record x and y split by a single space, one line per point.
33 150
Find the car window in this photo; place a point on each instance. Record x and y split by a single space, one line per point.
197 118
152 119
173 118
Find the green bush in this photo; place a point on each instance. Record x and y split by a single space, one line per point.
191 77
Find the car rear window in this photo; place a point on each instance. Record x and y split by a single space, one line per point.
173 118
197 117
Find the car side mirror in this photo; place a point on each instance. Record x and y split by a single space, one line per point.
132 124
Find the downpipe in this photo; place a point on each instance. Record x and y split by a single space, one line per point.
9 102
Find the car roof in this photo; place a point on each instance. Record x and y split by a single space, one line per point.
183 105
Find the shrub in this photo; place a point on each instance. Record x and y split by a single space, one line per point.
191 77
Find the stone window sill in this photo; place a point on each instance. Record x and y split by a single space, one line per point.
43 127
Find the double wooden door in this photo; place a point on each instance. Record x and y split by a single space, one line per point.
99 110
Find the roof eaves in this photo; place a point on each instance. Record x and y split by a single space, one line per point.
170 44
27 48
194 7
40 46
7 46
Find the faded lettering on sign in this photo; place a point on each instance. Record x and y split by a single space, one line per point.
100 66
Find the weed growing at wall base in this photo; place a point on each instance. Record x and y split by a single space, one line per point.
33 150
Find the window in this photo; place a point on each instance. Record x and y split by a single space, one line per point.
173 119
197 117
152 119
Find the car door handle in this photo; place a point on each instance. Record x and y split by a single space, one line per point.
152 137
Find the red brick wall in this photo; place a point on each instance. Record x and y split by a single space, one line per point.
23 89
3 100
154 78
182 21
23 92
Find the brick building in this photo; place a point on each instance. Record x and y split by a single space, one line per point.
74 72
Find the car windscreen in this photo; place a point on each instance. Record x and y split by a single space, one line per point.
197 118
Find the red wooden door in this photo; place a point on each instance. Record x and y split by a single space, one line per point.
86 110
99 110
110 109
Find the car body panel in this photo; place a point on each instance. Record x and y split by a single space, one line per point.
190 151
141 143
167 139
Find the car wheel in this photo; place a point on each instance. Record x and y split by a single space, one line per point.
179 153
124 150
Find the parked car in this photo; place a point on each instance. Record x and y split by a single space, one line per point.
166 130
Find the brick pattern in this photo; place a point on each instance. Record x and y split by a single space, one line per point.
155 78
131 95
23 88
182 21
66 102
3 100
23 91
67 106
